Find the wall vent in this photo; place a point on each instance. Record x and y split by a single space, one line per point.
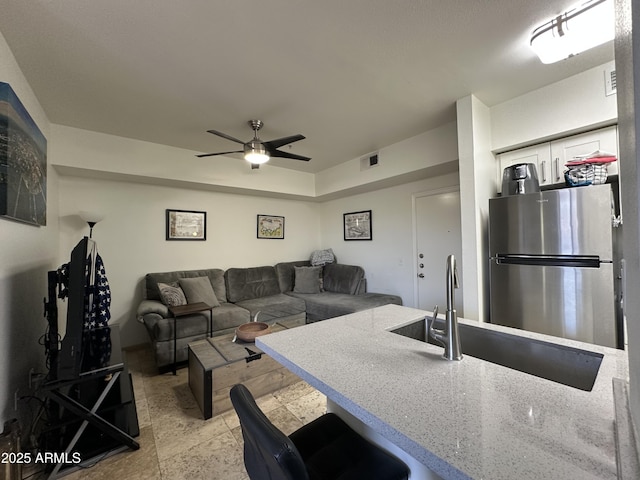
368 161
610 81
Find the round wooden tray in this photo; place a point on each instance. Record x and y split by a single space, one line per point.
247 332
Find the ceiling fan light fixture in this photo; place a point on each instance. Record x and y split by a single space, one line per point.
256 158
585 26
254 152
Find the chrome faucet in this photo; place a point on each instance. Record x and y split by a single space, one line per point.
449 338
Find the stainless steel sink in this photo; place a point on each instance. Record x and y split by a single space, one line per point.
566 365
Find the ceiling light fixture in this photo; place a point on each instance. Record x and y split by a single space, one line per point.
586 25
254 151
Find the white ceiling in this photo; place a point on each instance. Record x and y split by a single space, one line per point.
352 76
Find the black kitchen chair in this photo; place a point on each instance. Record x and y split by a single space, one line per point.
322 450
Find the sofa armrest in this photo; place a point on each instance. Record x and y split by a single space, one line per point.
152 306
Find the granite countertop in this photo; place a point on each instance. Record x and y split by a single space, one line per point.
467 419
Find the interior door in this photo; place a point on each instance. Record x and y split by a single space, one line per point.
437 235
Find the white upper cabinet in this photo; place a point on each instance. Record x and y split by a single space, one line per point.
539 155
550 157
563 150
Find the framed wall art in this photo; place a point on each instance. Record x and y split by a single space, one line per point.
357 225
186 225
23 162
270 226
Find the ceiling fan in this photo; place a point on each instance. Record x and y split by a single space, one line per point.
255 150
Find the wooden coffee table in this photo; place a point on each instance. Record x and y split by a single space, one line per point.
216 364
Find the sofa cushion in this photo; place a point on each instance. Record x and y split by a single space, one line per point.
226 316
216 277
321 306
171 294
273 307
341 278
187 326
199 289
285 272
307 280
249 283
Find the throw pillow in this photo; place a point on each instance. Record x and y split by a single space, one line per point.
199 289
307 280
322 257
171 294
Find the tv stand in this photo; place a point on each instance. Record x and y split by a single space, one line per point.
92 416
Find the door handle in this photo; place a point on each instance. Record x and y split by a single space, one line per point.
421 275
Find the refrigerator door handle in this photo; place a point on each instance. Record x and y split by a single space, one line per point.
587 261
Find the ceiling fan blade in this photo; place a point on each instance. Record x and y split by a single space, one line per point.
224 135
279 142
293 156
217 153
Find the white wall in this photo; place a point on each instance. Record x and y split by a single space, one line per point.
388 259
77 151
565 107
410 156
27 253
477 172
131 238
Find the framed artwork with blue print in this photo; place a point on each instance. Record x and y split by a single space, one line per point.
23 162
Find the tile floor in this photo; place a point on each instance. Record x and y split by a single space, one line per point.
176 443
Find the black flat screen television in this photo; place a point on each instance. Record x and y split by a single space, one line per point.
79 282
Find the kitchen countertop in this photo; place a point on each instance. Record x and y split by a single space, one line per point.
467 419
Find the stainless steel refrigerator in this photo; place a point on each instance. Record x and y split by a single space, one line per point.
552 263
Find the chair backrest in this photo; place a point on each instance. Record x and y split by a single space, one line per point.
268 453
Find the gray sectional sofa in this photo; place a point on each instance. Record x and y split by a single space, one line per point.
292 293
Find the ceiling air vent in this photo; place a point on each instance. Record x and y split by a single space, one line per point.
368 161
610 81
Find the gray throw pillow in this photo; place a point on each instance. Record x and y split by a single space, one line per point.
307 280
171 294
199 289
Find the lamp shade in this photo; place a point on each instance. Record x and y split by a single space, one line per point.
91 217
587 25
